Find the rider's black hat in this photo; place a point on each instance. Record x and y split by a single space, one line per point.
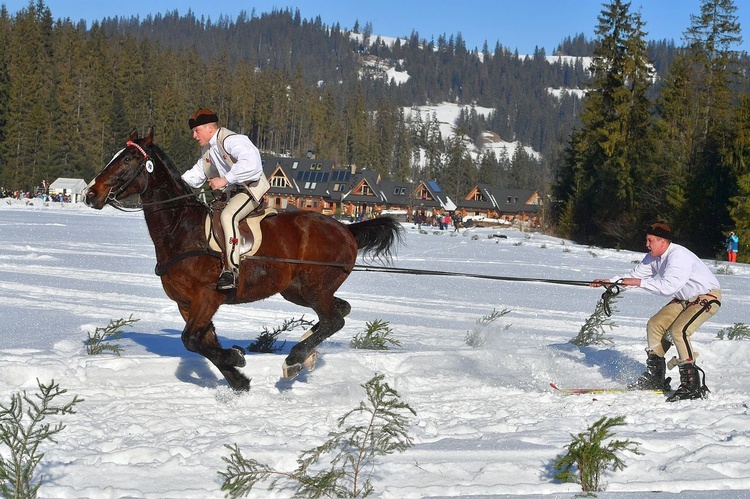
201 117
660 230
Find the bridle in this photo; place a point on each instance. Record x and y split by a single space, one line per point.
144 164
147 164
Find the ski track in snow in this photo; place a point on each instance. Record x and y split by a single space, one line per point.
154 421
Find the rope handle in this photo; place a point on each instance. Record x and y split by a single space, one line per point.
612 290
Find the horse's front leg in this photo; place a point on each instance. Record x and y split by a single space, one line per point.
203 340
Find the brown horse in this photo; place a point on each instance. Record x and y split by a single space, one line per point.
304 256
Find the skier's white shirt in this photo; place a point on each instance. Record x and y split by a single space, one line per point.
678 273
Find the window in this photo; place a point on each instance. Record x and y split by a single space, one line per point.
396 191
295 165
403 191
340 175
423 193
509 200
478 196
278 181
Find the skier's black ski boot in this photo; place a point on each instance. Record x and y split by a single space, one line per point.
653 378
691 386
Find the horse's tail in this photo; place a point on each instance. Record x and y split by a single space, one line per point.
376 237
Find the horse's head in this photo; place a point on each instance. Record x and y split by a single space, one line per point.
125 175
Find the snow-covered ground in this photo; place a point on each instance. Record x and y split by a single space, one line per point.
154 421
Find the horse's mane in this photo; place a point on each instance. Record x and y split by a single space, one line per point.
171 168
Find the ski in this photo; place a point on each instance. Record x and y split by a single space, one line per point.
595 391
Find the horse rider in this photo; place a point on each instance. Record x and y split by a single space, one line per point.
229 161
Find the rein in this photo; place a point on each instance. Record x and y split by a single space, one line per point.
148 165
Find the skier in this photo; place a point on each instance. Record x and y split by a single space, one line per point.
674 271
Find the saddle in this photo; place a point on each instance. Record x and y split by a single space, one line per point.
250 233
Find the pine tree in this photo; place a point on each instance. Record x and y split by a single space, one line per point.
739 160
711 62
5 36
604 158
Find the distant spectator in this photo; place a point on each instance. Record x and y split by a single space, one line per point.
420 219
733 246
457 219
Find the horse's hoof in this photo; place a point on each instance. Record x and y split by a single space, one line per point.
238 356
243 385
310 361
291 372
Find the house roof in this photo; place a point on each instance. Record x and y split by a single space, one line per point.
397 193
364 188
487 197
300 176
514 200
430 195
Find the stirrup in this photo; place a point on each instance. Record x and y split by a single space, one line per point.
227 280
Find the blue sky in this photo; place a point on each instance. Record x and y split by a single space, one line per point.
516 24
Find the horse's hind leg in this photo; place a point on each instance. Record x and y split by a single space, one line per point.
303 354
342 308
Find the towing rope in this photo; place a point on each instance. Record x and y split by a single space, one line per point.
612 289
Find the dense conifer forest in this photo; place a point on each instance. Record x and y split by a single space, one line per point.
662 132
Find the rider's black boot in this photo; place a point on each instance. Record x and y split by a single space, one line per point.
227 280
691 386
653 378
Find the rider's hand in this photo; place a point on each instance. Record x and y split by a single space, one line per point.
598 282
217 183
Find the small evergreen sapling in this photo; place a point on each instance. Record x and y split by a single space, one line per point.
22 431
738 331
592 332
96 344
266 341
377 336
336 468
477 337
588 457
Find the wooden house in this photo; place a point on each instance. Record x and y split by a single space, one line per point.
363 198
501 205
318 185
301 183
